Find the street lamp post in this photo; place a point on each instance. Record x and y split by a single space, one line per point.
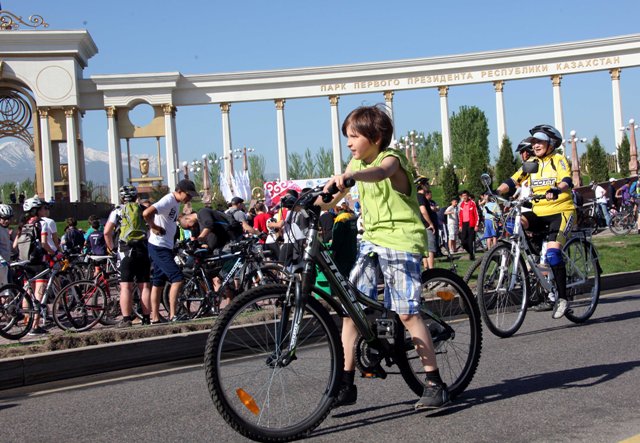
575 160
185 169
206 181
245 162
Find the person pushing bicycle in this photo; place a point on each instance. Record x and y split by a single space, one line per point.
394 239
549 174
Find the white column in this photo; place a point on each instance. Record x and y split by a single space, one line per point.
72 155
617 111
335 135
115 155
47 154
282 140
500 117
388 100
558 117
226 140
444 123
171 144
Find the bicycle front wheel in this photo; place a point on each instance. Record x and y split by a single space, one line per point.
451 314
583 279
502 293
261 390
79 306
192 298
16 312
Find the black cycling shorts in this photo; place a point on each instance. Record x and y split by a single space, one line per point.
557 226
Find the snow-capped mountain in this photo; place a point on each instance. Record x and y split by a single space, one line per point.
17 163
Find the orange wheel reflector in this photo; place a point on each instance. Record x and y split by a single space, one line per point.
248 401
445 295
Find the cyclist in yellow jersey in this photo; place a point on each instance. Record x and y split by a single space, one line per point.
550 176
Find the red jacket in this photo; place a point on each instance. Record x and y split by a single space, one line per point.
470 207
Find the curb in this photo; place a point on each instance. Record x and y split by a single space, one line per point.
59 365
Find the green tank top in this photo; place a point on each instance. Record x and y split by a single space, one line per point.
391 219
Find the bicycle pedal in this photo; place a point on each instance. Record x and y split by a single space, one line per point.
376 372
385 328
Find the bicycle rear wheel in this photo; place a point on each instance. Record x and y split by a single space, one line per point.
79 306
451 314
192 298
583 279
16 312
471 276
502 296
621 224
258 394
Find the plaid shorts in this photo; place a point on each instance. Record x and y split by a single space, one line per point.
401 272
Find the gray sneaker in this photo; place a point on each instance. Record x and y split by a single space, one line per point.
123 324
560 308
433 397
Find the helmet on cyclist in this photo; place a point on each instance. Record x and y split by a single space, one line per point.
524 146
553 136
6 211
32 203
421 180
128 194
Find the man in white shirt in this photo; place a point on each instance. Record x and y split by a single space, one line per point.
161 218
602 202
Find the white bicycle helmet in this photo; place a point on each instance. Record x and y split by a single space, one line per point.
6 211
32 203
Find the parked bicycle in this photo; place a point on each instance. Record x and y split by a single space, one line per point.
512 277
590 217
241 266
625 220
18 303
274 374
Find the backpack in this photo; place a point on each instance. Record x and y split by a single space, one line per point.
97 245
132 226
29 247
74 240
233 226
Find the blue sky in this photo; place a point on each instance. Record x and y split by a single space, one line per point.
195 37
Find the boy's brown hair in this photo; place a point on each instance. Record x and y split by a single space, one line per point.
372 122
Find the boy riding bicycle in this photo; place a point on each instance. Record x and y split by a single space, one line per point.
394 239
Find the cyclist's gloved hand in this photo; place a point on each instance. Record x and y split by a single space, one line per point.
553 193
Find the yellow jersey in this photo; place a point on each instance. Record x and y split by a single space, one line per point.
552 169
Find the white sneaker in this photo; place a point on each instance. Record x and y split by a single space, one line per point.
560 308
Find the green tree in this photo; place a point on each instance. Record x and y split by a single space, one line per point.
324 163
470 145
450 183
308 165
295 168
506 164
597 161
256 171
624 155
429 153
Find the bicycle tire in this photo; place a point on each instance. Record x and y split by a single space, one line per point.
16 319
447 297
79 306
112 309
503 310
242 375
620 225
192 298
583 279
471 276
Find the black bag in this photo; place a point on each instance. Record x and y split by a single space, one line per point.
74 240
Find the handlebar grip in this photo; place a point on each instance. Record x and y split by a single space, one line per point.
328 196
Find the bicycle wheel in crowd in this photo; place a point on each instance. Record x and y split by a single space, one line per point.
583 279
16 312
192 298
502 295
451 314
620 224
79 306
261 393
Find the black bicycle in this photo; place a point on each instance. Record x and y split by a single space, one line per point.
274 373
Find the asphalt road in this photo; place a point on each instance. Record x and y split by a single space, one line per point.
553 381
